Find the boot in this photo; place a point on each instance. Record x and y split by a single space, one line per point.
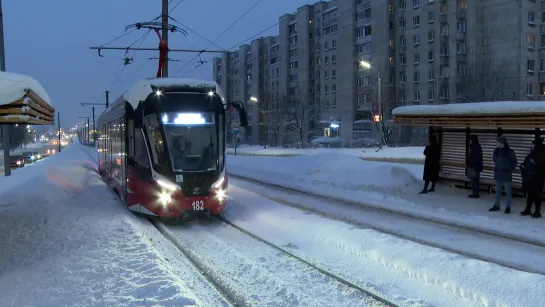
537 213
507 210
432 187
527 210
473 196
425 189
494 208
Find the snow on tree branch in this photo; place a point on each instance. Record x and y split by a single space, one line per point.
482 85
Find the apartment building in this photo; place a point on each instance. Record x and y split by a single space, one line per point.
335 53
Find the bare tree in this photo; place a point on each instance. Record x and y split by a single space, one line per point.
483 84
301 111
273 121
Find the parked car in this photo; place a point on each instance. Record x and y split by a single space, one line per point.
17 161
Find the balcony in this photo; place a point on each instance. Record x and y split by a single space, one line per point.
443 37
460 36
461 13
461 56
443 18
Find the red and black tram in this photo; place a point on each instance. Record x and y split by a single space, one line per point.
161 146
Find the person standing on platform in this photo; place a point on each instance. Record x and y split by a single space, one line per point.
532 171
505 162
475 164
431 166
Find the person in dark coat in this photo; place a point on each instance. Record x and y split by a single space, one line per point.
505 162
475 164
533 178
431 166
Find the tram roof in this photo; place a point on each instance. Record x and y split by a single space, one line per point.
141 90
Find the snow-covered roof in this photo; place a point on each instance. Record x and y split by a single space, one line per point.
141 90
14 86
478 108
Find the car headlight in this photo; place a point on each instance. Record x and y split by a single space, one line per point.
18 162
219 182
32 157
165 199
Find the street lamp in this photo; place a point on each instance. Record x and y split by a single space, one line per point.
253 99
379 120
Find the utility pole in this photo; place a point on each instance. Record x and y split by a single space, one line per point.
381 120
165 29
94 104
59 120
86 130
5 127
107 97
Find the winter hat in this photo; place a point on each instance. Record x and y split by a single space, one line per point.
502 139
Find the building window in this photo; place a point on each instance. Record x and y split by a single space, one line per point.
531 40
431 17
431 74
431 36
362 15
416 39
431 95
530 65
460 48
416 96
416 77
416 21
403 59
402 77
431 55
416 3
461 26
531 18
402 5
417 58
402 41
529 89
542 64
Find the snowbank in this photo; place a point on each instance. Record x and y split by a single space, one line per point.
496 107
68 241
407 273
388 186
385 153
13 87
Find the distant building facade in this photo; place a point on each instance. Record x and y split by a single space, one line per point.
423 52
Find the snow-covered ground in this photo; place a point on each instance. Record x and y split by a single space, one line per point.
67 241
403 271
393 153
391 186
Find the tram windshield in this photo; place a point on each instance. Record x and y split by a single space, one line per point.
192 140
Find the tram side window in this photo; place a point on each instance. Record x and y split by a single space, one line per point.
157 145
141 153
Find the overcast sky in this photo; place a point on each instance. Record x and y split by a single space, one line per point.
50 40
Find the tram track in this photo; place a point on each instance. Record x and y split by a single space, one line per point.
499 248
234 296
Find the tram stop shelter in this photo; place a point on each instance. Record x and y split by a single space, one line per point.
24 101
451 125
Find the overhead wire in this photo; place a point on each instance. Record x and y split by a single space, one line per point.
237 45
222 33
140 41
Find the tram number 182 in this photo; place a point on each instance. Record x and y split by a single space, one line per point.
198 205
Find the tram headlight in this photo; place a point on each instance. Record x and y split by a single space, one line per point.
165 199
220 194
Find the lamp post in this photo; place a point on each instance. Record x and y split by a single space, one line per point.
380 120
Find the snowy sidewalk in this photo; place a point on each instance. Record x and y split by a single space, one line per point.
67 241
387 185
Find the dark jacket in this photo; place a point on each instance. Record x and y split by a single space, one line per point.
505 162
431 164
538 180
475 159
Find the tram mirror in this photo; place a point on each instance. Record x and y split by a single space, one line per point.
243 117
